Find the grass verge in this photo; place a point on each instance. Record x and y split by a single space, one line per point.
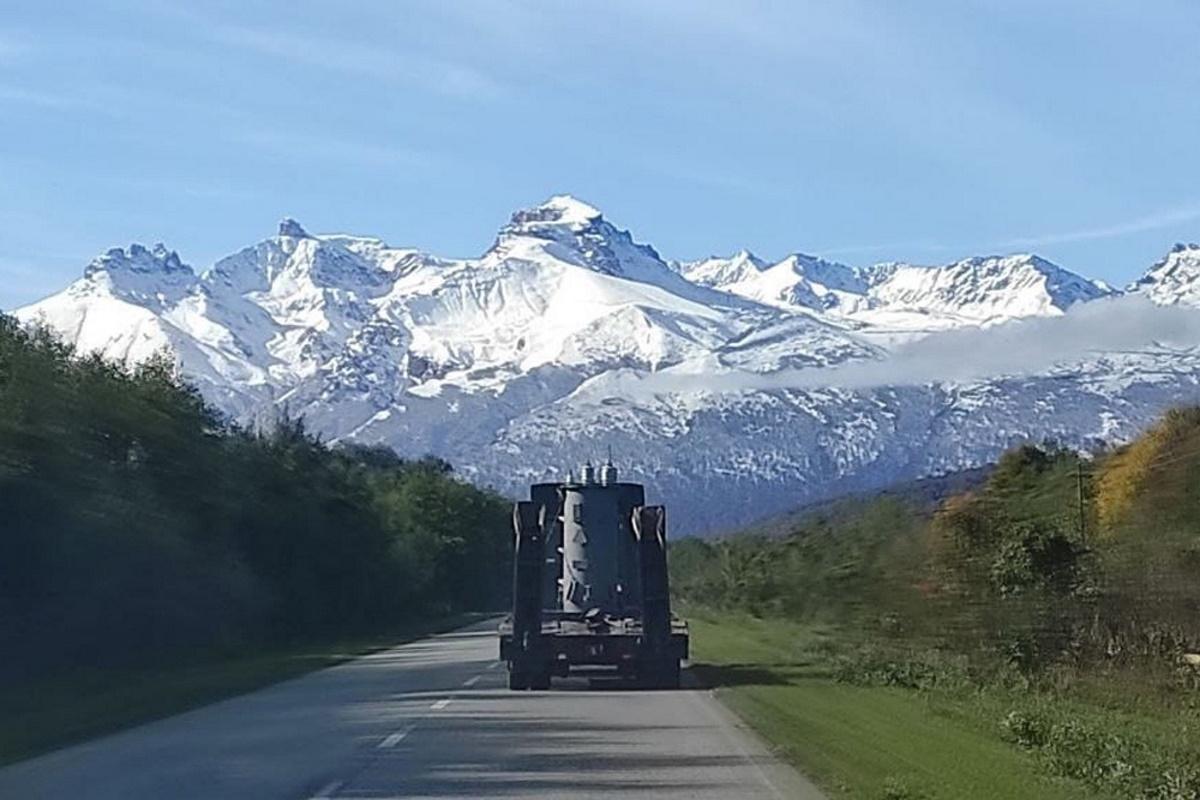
872 742
83 703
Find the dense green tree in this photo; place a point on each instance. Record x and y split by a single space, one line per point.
136 523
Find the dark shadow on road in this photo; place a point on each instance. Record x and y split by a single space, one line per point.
543 756
713 676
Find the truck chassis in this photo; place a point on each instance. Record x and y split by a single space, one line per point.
642 641
568 642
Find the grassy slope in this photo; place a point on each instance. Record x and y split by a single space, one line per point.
85 703
861 742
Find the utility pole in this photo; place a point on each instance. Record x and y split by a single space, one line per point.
1082 514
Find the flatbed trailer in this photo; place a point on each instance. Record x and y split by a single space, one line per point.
573 643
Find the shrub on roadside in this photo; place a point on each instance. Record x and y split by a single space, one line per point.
1105 758
874 666
895 788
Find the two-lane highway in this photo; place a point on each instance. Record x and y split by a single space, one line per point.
430 719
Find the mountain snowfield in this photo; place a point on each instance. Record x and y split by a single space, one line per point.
897 302
734 387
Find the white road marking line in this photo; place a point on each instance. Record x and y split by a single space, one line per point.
725 726
395 738
495 665
327 791
440 704
472 681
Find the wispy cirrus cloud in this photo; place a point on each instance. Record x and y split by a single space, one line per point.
879 247
360 58
1153 221
303 146
41 98
1157 220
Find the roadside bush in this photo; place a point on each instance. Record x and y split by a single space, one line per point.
896 788
1105 758
1061 577
922 671
1029 730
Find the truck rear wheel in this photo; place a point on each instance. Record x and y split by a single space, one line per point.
671 675
518 680
521 678
660 675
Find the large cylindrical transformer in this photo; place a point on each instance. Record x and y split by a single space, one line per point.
590 542
590 585
547 498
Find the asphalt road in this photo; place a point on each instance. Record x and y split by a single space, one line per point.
430 719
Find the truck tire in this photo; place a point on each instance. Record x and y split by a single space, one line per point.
671 675
660 675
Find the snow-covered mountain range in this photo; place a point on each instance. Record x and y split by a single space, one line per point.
899 301
734 387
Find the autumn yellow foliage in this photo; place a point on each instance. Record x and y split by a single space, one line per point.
1130 471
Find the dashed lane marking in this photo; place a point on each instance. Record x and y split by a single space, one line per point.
440 704
393 739
472 681
327 791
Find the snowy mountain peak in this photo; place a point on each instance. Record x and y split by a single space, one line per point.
722 272
745 262
567 336
562 211
747 257
831 273
896 296
570 210
1174 279
291 264
289 227
566 230
151 277
137 259
981 289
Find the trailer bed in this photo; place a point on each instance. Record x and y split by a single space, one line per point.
570 643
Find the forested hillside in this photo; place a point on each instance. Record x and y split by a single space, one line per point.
136 524
1054 559
1066 589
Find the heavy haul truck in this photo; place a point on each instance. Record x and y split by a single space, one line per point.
590 587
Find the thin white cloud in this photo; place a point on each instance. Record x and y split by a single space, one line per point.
113 100
1157 220
304 146
360 58
878 247
1165 218
41 99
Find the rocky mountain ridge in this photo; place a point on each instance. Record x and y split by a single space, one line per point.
714 381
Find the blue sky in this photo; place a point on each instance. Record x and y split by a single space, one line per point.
864 131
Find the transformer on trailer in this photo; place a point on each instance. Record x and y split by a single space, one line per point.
590 585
